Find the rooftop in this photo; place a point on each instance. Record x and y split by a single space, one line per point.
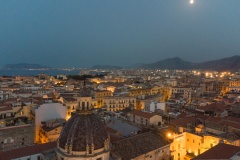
124 128
26 151
142 114
220 151
137 145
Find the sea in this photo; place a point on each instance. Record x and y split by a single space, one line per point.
24 72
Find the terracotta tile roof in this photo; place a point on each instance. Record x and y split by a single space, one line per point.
138 145
184 121
234 119
214 119
26 151
220 151
216 107
111 130
4 104
115 138
182 115
230 136
142 114
232 124
201 117
5 108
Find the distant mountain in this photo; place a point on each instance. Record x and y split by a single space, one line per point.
224 64
26 66
169 63
106 67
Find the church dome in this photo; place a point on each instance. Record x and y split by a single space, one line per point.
84 132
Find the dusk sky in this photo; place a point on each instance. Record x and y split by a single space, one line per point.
82 33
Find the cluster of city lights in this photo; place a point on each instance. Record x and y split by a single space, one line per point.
216 74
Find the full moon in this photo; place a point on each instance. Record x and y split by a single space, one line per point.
191 1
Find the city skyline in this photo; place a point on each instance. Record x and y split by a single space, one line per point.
84 33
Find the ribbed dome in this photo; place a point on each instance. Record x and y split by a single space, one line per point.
82 130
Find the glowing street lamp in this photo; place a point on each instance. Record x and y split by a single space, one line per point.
169 135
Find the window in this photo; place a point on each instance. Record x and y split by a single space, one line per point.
21 113
211 145
83 105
